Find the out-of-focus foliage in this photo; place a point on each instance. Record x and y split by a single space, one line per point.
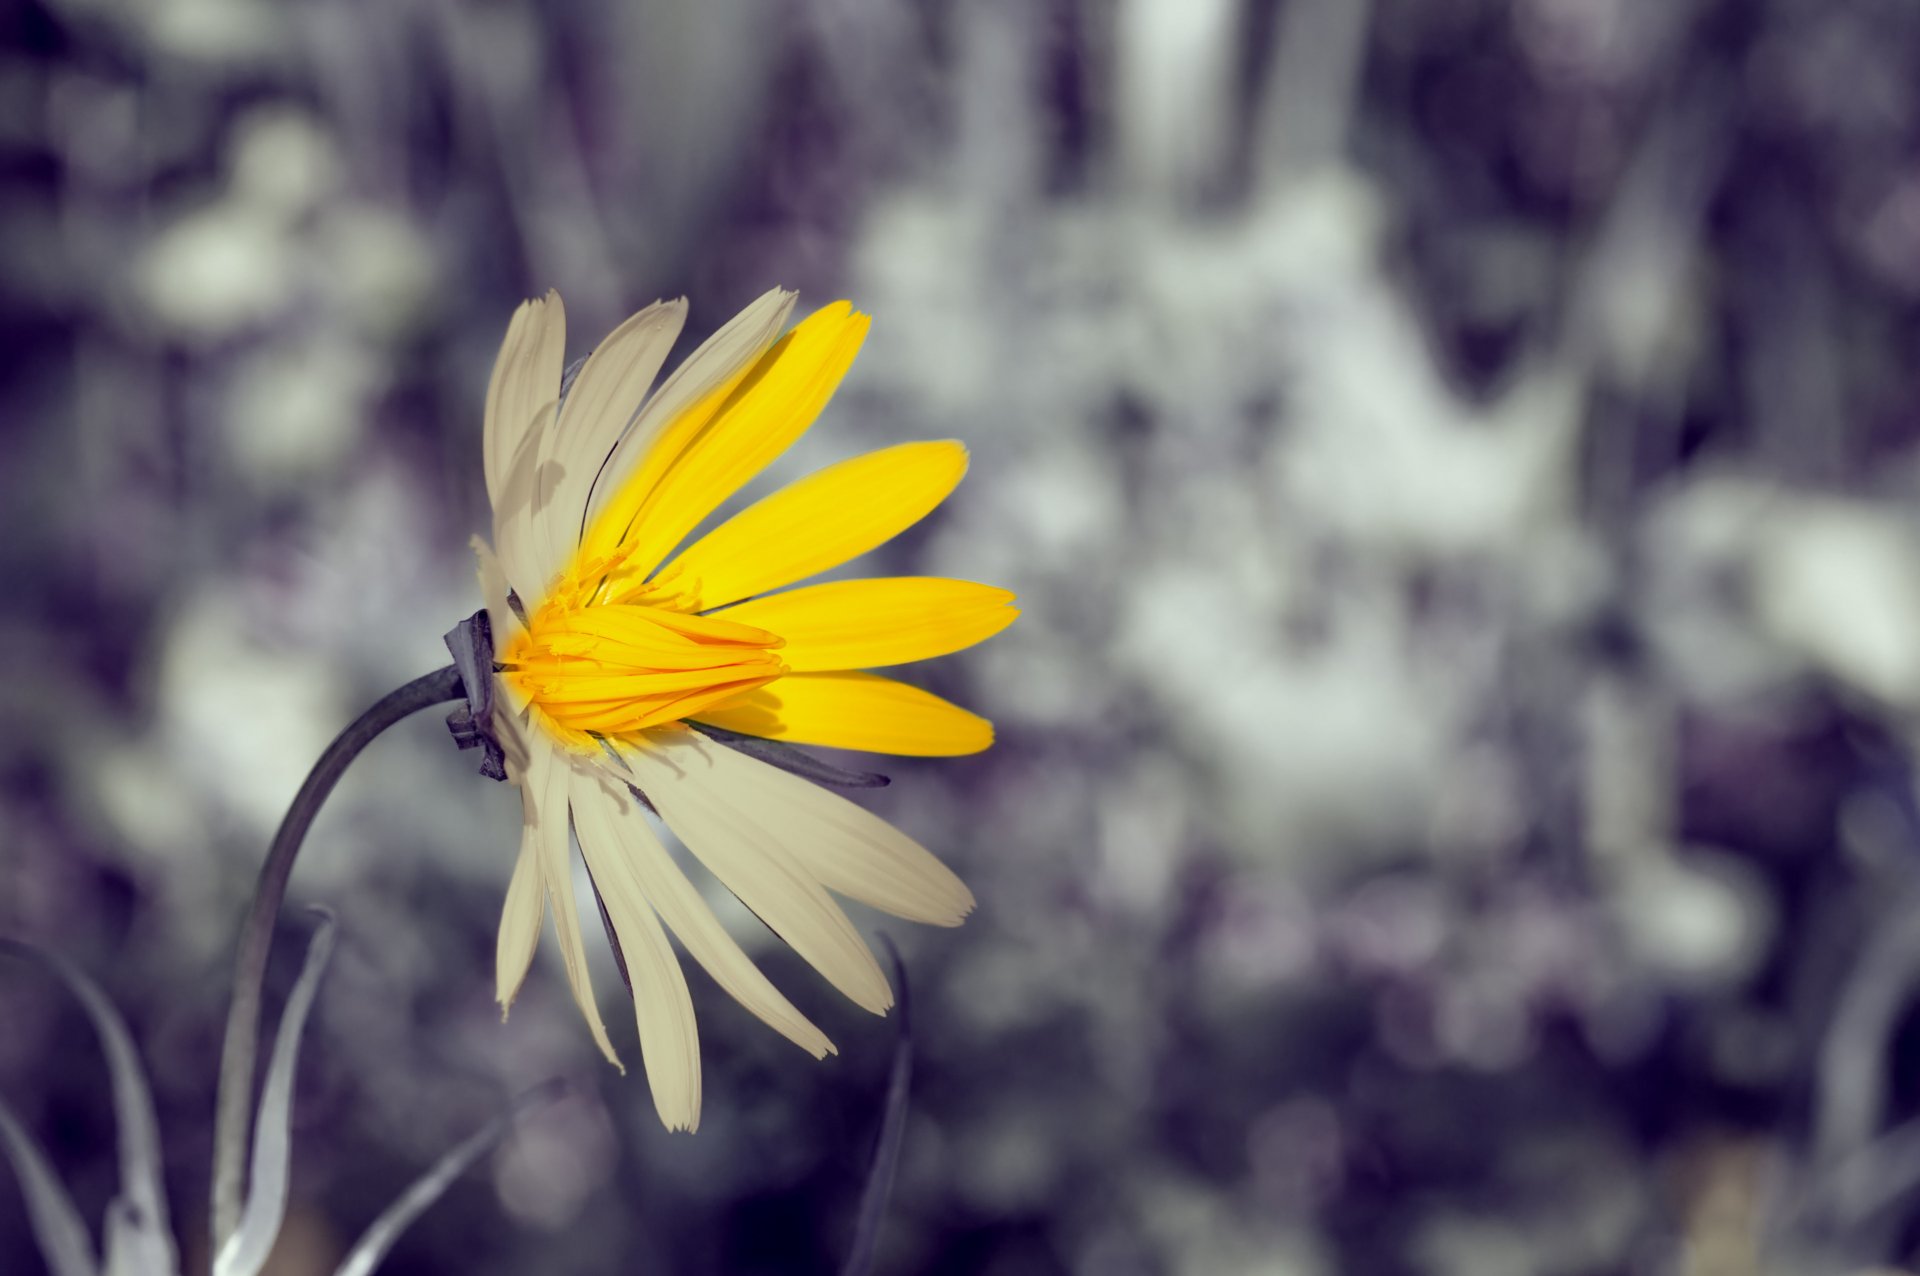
1454 805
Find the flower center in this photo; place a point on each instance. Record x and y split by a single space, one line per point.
596 669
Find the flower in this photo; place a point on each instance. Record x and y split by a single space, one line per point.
605 657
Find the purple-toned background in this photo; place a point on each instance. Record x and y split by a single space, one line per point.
1454 807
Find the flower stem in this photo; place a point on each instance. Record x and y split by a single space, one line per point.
233 1112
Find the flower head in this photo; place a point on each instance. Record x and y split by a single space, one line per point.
611 645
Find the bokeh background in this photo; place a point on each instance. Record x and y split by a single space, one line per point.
1454 809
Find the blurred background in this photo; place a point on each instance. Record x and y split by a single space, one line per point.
1454 809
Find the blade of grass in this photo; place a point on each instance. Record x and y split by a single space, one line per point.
379 1238
266 1206
893 1130
139 1232
63 1238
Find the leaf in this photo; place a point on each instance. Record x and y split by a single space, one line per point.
246 1251
379 1238
893 1129
139 1233
63 1238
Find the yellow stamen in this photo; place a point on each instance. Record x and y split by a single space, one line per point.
592 670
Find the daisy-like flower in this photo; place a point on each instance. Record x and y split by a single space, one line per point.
606 659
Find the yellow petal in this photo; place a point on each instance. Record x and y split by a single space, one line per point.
853 711
719 361
669 1039
519 923
548 780
604 399
866 624
685 777
721 445
526 378
823 520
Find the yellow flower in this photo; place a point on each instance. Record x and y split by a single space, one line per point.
604 656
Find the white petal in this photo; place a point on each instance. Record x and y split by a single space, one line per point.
547 781
744 338
517 531
493 591
519 923
512 732
680 771
526 377
604 400
669 1041
844 847
678 902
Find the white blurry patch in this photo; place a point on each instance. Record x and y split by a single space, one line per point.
547 1170
1200 1232
1695 541
1875 833
1266 934
1383 454
238 260
1890 237
1001 989
380 269
1840 583
1701 921
1030 679
1459 1245
1143 819
295 409
218 270
1003 1161
243 720
1483 1021
217 31
134 785
282 160
920 248
1297 1152
1339 738
1060 504
163 827
1481 807
1394 925
1173 82
212 32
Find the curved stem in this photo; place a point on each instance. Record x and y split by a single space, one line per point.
233 1112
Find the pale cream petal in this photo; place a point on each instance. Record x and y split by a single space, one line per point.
511 731
689 783
744 338
519 923
517 534
669 1041
687 915
547 779
605 398
842 845
526 377
493 591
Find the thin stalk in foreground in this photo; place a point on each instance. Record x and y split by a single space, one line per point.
233 1111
